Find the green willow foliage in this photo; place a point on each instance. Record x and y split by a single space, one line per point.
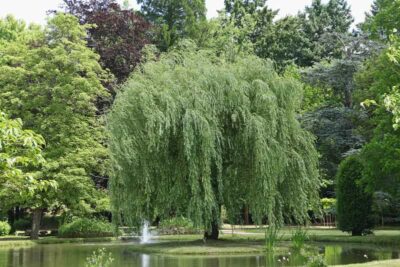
193 132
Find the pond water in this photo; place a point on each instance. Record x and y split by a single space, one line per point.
74 255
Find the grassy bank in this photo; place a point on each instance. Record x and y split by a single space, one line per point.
246 240
194 246
380 236
387 263
13 242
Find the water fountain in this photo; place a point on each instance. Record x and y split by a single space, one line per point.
146 235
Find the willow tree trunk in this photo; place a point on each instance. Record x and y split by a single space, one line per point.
36 219
213 233
356 232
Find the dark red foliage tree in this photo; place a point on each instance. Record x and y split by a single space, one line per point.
119 35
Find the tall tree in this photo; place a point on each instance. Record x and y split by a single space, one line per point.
392 100
198 132
336 131
118 34
339 73
237 7
377 89
354 204
51 80
285 42
383 21
21 182
320 21
176 19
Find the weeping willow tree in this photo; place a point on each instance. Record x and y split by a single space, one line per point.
192 132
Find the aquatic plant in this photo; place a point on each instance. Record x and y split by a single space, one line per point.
299 237
272 237
99 258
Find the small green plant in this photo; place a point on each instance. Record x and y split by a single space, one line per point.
272 237
299 237
86 228
5 228
99 258
316 261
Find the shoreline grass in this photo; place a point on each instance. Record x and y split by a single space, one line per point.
17 242
385 263
242 241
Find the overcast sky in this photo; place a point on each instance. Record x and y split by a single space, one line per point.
35 10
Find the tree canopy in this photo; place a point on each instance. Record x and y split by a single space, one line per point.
52 81
193 132
175 19
118 35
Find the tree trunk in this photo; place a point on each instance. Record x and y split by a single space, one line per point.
356 232
246 215
11 218
348 98
36 219
214 233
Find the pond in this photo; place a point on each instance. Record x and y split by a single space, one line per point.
74 255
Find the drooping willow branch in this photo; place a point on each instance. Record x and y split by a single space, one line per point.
191 132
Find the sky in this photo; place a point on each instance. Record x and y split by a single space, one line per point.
35 10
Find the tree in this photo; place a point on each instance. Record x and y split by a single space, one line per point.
240 7
285 43
336 131
321 21
377 85
383 21
338 74
176 19
10 28
303 39
354 204
193 132
20 179
52 81
118 35
392 99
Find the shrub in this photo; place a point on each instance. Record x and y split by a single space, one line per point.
86 228
22 224
177 225
354 204
5 228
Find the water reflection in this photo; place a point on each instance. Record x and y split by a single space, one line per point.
67 255
145 260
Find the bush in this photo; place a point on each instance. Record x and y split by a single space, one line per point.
86 228
354 204
177 225
22 224
5 228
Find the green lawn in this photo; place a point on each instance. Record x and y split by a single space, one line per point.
388 263
17 241
381 236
